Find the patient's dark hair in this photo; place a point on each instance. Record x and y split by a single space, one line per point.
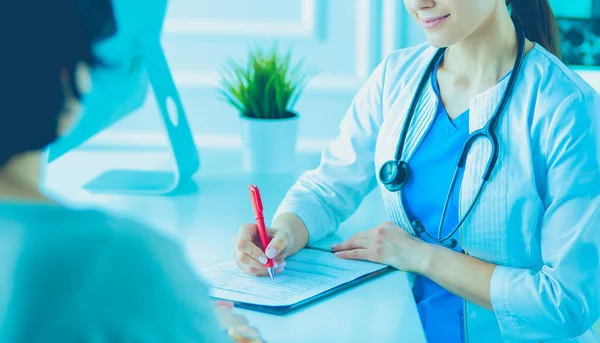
42 41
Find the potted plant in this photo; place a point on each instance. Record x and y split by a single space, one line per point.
265 92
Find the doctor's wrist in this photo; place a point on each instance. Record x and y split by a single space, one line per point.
425 264
295 227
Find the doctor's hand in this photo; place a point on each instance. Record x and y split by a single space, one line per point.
386 244
248 253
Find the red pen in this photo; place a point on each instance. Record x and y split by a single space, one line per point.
260 223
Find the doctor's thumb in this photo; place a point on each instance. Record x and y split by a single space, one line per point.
278 244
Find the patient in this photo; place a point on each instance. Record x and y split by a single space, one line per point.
76 275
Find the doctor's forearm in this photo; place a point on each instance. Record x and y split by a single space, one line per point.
461 274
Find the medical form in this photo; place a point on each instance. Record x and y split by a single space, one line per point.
307 274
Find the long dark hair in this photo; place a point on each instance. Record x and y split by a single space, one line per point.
538 21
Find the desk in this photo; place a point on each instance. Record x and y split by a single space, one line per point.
204 219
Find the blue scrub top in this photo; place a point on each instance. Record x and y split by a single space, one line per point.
432 167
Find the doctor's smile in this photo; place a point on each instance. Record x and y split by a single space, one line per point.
430 23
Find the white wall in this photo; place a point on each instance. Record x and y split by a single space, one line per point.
342 39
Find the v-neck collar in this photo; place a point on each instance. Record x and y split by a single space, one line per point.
481 108
489 94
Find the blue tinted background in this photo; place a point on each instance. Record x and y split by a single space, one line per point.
343 40
575 9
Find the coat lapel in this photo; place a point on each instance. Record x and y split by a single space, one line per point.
422 119
479 227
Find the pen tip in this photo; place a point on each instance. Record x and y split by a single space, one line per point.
271 273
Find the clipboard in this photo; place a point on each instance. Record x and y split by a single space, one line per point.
285 310
312 275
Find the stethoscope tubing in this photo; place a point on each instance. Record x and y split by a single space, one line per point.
488 132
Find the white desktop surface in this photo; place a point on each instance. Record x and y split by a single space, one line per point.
205 217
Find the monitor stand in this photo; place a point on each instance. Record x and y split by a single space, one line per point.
180 138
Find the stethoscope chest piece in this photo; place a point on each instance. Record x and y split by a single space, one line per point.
394 175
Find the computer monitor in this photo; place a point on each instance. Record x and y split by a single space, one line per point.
135 61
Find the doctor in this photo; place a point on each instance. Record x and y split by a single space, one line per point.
504 247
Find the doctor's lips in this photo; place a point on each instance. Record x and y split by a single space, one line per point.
429 23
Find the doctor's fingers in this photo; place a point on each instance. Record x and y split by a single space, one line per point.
356 242
249 253
248 232
254 261
278 244
246 260
257 271
251 270
355 254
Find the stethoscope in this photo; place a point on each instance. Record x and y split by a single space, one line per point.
394 174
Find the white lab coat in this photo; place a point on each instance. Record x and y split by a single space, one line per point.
539 215
82 276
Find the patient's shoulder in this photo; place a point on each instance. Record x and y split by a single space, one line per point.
97 272
71 241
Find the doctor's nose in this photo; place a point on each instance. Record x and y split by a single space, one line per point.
419 5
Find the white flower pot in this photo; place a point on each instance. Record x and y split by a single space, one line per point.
269 145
